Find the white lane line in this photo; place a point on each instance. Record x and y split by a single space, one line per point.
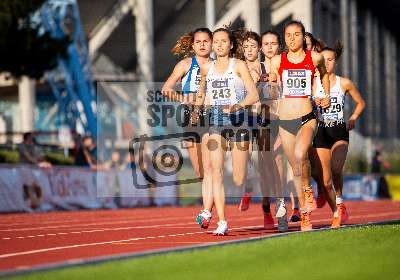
49 223
113 223
123 228
30 252
96 224
81 245
182 224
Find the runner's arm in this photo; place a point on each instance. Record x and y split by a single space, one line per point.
348 86
252 92
319 63
168 87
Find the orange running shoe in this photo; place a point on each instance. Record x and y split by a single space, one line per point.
305 221
245 202
311 204
268 221
321 201
344 216
336 222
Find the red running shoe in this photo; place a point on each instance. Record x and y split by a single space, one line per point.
268 221
245 202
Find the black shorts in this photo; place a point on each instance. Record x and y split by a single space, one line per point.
293 126
327 136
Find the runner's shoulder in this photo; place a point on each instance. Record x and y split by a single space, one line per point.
276 61
345 83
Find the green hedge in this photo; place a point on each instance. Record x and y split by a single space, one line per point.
12 156
394 161
356 164
58 159
9 156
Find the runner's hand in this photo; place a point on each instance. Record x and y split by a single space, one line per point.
194 115
231 109
351 123
325 102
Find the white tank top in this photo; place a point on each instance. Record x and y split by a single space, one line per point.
226 88
335 113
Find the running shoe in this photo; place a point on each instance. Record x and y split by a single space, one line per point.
268 221
245 202
295 216
336 222
344 215
283 223
204 218
280 208
305 221
311 204
321 201
222 228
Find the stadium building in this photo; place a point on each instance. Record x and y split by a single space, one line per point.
129 41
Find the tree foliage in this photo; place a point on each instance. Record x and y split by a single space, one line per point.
23 50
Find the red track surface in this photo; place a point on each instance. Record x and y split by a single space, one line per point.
33 240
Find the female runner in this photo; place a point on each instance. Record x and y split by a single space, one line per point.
196 48
297 122
332 139
225 82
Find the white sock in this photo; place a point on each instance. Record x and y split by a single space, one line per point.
336 214
339 200
208 213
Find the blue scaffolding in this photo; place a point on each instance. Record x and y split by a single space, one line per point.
71 81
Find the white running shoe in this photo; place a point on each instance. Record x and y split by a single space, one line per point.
280 208
222 228
204 218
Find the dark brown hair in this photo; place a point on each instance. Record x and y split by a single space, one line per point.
252 35
273 32
316 43
337 49
183 46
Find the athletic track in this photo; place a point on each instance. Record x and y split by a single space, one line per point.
43 240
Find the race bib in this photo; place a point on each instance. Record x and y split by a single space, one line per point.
221 93
334 112
296 82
